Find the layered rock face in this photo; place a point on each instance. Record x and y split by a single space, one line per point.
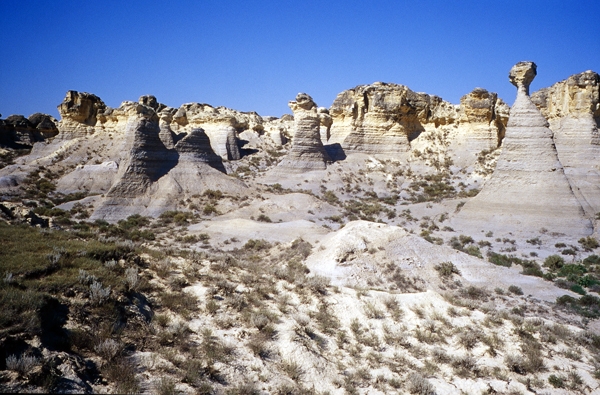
378 119
307 152
388 119
84 114
20 131
528 190
78 113
572 107
147 160
221 125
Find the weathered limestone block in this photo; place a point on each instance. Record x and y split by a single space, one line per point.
78 113
378 119
307 152
392 120
528 190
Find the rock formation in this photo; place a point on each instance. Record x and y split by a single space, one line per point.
391 120
528 190
220 124
78 113
307 152
146 162
16 130
572 107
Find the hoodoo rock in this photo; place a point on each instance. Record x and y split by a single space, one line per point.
307 152
528 190
573 109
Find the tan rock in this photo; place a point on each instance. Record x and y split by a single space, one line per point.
78 113
528 190
392 120
307 152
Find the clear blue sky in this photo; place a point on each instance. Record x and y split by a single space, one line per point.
257 55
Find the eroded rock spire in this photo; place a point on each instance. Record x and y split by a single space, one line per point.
528 190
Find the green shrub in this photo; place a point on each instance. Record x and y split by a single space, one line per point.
213 194
556 382
447 269
589 243
554 262
578 289
515 290
473 250
209 209
330 197
257 245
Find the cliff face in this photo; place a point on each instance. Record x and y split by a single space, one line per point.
392 120
572 108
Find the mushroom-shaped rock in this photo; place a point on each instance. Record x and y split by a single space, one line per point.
528 190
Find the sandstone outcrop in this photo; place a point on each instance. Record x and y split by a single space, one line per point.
528 190
572 108
307 152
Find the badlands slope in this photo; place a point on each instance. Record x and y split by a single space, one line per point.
393 243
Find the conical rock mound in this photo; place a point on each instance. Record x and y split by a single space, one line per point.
528 190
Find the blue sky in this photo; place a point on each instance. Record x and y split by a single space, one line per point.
257 55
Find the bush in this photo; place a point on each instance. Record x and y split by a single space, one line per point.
515 290
23 365
578 289
257 245
556 382
554 262
263 218
213 194
419 385
589 243
447 269
209 209
330 197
